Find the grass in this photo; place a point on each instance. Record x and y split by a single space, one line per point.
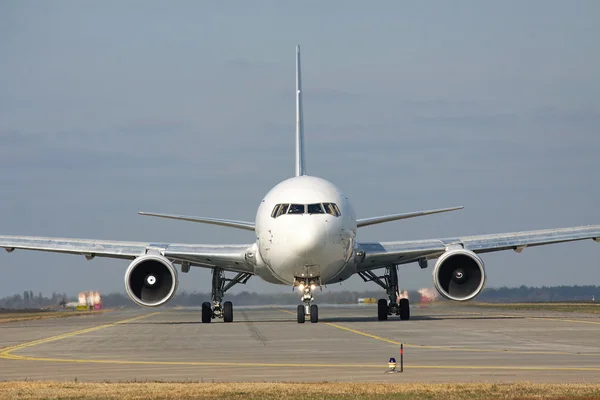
293 391
591 308
6 317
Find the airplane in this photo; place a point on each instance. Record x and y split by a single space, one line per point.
305 233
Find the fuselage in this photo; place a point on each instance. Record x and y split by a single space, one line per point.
305 228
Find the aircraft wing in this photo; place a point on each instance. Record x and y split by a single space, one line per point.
249 226
394 217
228 257
381 254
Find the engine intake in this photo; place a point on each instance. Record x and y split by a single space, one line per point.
459 275
151 280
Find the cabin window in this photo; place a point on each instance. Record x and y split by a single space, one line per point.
296 209
315 209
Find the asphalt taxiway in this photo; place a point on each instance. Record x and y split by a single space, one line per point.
447 343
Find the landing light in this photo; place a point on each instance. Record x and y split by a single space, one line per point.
312 287
301 287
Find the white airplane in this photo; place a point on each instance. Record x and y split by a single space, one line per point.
306 236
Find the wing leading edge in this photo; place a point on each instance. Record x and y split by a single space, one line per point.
228 257
380 254
249 226
394 217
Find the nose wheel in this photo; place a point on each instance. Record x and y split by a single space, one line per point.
312 312
307 309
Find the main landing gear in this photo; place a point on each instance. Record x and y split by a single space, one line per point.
307 310
220 285
389 282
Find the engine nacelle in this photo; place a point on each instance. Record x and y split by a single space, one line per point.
151 280
459 275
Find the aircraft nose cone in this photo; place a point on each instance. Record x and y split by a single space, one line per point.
307 239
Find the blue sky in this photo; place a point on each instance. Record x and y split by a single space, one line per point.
109 108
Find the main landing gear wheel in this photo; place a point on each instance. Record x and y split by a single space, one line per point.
404 309
382 310
389 282
301 316
206 312
220 285
227 311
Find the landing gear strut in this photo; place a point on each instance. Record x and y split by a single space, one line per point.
220 285
307 309
389 282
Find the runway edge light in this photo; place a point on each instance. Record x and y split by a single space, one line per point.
392 365
392 362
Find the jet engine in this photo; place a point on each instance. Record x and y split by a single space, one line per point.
151 280
459 275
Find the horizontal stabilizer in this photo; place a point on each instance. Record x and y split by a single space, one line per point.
394 217
215 221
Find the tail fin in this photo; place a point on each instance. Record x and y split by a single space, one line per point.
300 170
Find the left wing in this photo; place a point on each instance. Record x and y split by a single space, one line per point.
249 226
381 254
228 257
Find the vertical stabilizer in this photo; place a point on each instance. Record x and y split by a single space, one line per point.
300 170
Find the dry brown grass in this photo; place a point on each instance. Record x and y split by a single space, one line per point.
28 316
591 308
293 391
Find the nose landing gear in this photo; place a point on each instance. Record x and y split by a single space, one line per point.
307 309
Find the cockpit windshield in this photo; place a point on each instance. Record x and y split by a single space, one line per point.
275 210
283 208
332 208
316 208
296 209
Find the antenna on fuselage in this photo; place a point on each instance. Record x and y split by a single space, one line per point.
300 170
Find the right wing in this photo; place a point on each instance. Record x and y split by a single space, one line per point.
228 257
381 254
394 217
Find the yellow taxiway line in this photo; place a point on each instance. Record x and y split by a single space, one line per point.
463 349
5 352
574 321
295 365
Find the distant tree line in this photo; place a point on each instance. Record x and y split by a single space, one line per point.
29 300
544 293
503 294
